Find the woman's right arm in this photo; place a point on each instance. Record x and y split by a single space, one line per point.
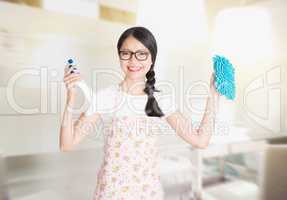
72 133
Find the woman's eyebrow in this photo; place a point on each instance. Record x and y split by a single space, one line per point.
131 50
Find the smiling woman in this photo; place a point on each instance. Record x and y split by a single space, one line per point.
140 42
131 166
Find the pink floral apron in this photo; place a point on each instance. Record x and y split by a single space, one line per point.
130 169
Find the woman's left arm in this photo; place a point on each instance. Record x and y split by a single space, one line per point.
199 138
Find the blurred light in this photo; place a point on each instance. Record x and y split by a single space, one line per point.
175 22
244 34
178 26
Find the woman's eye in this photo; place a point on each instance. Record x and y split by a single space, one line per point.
141 53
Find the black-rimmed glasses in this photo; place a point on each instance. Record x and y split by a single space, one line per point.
140 55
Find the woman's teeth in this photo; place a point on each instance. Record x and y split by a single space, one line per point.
134 69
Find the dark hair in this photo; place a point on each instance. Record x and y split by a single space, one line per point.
143 35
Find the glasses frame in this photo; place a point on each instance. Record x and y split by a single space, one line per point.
134 53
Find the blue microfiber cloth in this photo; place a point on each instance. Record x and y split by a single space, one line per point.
224 76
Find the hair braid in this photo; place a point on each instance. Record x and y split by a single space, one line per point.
152 108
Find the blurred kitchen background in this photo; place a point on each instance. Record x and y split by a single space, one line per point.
247 157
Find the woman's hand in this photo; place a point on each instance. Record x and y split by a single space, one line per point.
70 79
213 91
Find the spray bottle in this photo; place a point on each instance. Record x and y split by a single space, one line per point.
71 67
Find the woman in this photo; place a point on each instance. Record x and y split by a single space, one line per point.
130 167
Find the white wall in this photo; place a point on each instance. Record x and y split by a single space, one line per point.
41 41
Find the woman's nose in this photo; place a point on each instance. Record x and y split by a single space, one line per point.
133 59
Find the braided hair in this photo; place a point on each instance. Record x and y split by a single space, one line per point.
143 35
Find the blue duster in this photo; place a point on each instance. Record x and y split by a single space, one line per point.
224 77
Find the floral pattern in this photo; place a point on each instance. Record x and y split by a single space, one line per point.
130 169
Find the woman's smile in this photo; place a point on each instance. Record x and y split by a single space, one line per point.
134 68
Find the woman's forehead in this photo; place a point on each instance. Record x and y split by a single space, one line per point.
132 44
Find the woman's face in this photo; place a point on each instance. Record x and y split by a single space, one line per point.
131 66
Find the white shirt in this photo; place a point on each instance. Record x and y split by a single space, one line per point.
103 102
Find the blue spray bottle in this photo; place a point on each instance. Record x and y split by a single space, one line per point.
71 67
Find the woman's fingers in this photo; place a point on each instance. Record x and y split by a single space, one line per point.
212 81
73 79
70 75
212 85
68 71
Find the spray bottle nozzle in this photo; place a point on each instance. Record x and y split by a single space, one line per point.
70 61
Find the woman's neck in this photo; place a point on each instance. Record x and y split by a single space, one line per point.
133 87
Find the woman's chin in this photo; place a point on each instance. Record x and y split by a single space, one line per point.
135 76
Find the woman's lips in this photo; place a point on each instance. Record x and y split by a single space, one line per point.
134 69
